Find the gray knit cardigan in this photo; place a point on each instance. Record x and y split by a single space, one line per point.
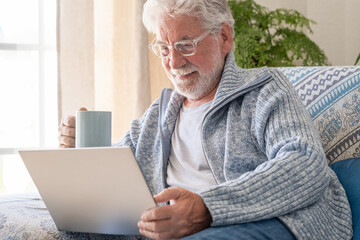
263 149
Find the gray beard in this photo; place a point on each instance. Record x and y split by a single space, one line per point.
197 88
203 86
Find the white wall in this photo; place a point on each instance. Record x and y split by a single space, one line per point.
336 32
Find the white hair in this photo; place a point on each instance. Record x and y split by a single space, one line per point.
212 13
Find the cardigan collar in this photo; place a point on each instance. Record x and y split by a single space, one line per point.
233 79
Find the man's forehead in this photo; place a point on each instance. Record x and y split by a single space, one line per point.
180 37
178 28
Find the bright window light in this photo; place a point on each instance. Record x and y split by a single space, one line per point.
19 21
28 86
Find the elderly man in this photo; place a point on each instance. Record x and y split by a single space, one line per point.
232 152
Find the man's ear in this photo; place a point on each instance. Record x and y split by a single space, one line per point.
226 38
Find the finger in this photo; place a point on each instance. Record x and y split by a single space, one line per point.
69 121
155 235
157 213
155 226
168 194
65 146
66 131
68 141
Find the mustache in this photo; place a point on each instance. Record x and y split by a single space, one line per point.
184 70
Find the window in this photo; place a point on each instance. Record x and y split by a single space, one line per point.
28 86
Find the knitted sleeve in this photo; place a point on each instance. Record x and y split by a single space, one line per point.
295 174
137 127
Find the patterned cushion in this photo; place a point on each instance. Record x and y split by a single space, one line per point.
332 97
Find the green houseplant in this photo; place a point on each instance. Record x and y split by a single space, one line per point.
272 38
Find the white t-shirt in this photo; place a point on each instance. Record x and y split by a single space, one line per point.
187 166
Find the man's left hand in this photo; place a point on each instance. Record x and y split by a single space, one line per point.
186 214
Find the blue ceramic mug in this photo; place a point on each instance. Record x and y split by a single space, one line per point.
93 129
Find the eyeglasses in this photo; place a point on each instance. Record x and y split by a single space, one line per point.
184 47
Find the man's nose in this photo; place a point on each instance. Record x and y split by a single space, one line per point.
176 60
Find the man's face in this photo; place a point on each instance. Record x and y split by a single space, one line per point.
197 75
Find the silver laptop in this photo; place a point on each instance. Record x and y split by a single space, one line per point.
92 190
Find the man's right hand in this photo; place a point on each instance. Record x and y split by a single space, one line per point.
66 131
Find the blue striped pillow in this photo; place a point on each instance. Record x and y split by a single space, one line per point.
332 97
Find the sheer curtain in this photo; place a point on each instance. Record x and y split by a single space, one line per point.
104 60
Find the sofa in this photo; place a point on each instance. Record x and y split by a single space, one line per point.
330 94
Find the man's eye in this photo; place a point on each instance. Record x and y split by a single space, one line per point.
164 50
185 47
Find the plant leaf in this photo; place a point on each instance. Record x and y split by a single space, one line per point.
273 38
357 59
